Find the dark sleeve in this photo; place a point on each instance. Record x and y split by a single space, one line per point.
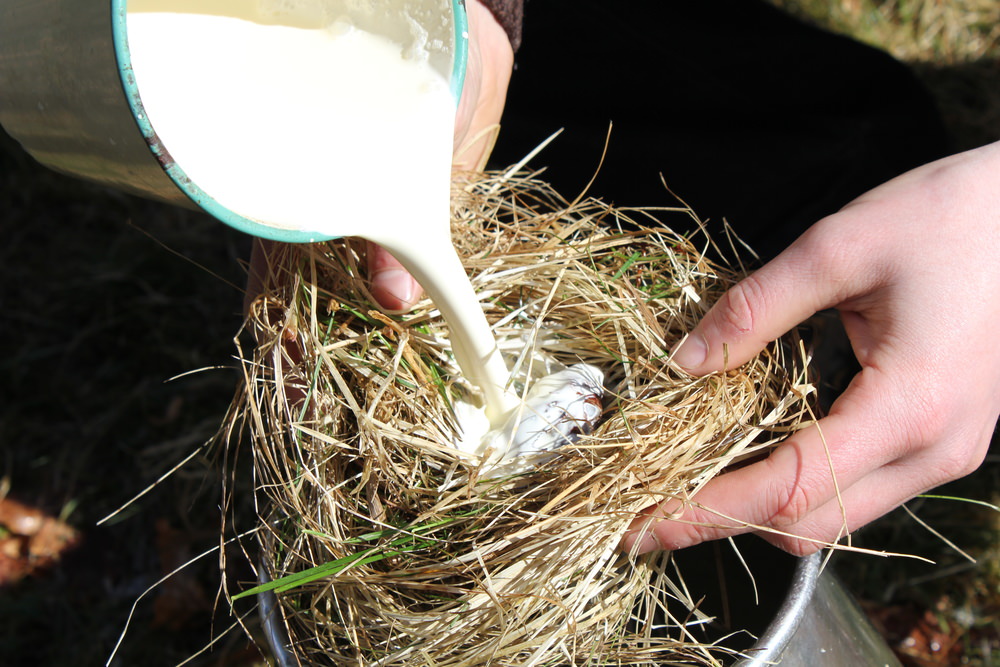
510 15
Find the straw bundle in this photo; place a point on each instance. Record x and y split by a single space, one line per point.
388 546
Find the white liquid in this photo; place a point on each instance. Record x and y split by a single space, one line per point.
290 117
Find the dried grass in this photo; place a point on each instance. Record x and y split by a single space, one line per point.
390 547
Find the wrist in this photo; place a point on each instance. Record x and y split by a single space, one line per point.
509 14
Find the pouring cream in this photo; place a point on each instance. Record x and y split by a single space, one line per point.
287 113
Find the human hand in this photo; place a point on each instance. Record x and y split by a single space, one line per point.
914 269
484 94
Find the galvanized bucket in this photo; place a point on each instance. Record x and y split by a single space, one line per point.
67 94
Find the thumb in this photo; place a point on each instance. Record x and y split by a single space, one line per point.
761 308
391 284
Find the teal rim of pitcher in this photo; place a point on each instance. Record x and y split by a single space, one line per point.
460 60
205 201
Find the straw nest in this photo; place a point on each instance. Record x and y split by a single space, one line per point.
388 546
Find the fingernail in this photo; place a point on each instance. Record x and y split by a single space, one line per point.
394 283
692 353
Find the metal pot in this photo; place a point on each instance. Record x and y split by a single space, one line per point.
817 623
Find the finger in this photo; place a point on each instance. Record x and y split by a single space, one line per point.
877 494
800 476
391 284
883 490
814 273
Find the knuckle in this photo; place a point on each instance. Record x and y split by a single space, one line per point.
789 503
948 449
739 308
951 467
939 429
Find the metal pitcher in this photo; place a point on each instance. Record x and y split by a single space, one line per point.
68 94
